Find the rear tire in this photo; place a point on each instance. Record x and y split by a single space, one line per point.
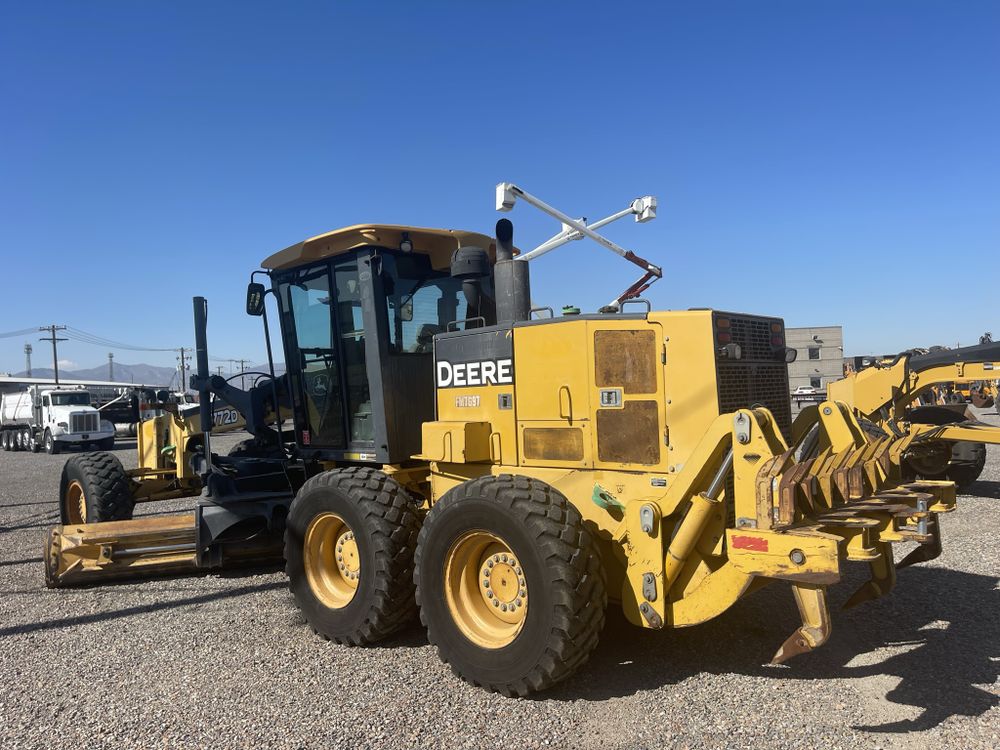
17 441
95 488
4 438
370 520
559 602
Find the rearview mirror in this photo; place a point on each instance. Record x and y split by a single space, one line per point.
255 299
406 311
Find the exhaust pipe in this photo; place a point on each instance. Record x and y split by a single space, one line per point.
510 279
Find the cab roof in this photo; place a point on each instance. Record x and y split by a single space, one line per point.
439 244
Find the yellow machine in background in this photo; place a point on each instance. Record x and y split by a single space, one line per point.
96 487
952 442
509 476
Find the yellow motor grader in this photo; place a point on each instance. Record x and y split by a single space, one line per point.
888 395
508 475
95 487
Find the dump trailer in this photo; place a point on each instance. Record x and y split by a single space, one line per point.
953 444
509 476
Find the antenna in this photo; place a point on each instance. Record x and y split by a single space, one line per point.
644 209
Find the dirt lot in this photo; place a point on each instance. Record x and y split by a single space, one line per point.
224 661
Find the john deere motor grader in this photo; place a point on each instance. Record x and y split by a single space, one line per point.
953 442
508 475
95 487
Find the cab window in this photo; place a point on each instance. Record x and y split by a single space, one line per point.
420 302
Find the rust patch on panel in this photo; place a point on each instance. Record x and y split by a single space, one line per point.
630 435
553 443
626 359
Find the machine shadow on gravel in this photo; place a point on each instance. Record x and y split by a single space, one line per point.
985 488
939 624
76 620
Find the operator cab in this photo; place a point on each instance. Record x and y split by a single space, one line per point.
359 309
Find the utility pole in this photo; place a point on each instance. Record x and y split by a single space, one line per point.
52 337
182 368
27 359
111 366
243 366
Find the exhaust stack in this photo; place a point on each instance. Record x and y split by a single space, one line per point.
510 279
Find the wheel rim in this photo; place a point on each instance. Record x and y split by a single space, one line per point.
332 560
932 463
486 589
76 503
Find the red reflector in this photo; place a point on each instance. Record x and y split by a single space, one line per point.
750 542
776 340
724 337
305 437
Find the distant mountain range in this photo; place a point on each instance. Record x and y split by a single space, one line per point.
141 373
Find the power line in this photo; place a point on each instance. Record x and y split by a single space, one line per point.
22 332
85 337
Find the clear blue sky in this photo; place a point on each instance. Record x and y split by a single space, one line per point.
807 156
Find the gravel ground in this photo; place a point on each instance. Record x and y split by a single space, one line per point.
224 661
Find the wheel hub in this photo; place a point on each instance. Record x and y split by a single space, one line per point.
348 561
503 585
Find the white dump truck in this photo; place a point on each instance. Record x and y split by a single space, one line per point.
52 418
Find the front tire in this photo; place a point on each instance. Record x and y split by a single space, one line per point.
961 462
548 619
51 445
94 488
349 548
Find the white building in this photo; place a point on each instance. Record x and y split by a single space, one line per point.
820 358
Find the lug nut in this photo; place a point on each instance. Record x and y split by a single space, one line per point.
503 607
503 557
518 602
486 584
522 583
517 571
523 592
489 564
489 594
496 603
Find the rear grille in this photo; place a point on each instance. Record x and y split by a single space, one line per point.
753 335
746 384
84 422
